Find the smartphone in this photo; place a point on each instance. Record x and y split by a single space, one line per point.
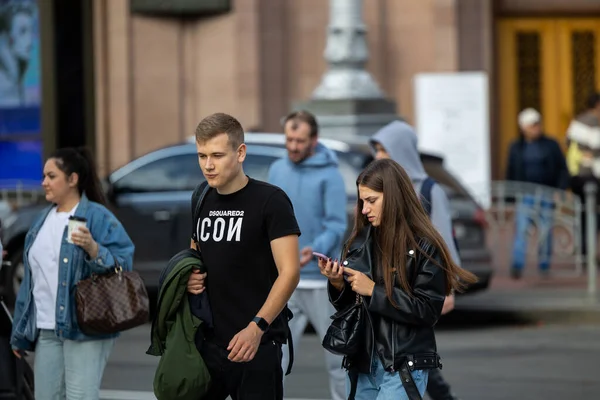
320 255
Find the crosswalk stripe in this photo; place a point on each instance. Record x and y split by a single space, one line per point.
141 395
126 395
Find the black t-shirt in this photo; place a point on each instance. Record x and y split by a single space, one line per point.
235 233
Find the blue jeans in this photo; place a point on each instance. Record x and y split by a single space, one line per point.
383 385
67 369
526 211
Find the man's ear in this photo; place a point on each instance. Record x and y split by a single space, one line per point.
241 152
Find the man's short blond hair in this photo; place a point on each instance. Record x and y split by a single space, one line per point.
219 123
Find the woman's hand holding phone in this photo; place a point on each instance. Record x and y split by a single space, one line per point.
332 270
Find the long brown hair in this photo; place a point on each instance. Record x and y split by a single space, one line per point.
403 223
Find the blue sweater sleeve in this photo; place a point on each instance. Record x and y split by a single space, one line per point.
272 178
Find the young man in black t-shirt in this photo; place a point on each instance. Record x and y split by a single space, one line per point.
248 236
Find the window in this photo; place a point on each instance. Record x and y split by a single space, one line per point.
257 166
174 173
351 165
349 174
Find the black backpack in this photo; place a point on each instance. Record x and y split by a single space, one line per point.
16 378
286 315
426 202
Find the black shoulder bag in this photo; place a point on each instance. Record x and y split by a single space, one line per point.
344 336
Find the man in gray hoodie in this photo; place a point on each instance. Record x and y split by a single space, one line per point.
398 141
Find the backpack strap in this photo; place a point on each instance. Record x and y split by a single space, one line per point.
197 201
288 315
426 194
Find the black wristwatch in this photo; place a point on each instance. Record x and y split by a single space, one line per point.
261 322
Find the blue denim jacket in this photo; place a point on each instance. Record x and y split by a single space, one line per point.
75 265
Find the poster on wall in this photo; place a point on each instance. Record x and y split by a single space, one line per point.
21 163
452 119
20 89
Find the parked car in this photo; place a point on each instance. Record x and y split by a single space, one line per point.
151 197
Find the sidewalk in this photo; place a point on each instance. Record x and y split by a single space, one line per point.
559 298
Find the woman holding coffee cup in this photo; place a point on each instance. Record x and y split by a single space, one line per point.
71 239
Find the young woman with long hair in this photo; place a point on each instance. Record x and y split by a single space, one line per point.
400 265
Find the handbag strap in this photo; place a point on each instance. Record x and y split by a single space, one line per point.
353 378
408 382
405 376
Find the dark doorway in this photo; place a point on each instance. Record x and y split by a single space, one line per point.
73 66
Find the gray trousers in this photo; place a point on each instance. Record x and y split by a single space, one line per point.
437 387
312 305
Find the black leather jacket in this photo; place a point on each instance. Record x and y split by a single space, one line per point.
398 334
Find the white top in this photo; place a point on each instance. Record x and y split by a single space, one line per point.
44 262
312 284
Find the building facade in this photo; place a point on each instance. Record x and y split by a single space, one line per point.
155 76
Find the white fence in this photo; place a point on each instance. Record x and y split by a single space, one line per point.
15 194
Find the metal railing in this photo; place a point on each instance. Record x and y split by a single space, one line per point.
20 192
553 218
591 215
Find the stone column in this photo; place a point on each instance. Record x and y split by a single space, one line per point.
348 103
347 54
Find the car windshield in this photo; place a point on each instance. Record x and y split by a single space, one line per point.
351 164
451 186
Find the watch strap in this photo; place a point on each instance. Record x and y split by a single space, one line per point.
261 322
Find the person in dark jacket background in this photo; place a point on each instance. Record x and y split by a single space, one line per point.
535 158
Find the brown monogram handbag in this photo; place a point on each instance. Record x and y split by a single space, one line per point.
112 302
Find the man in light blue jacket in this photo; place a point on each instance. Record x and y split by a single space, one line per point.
310 177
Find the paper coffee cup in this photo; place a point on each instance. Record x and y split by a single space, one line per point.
73 226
